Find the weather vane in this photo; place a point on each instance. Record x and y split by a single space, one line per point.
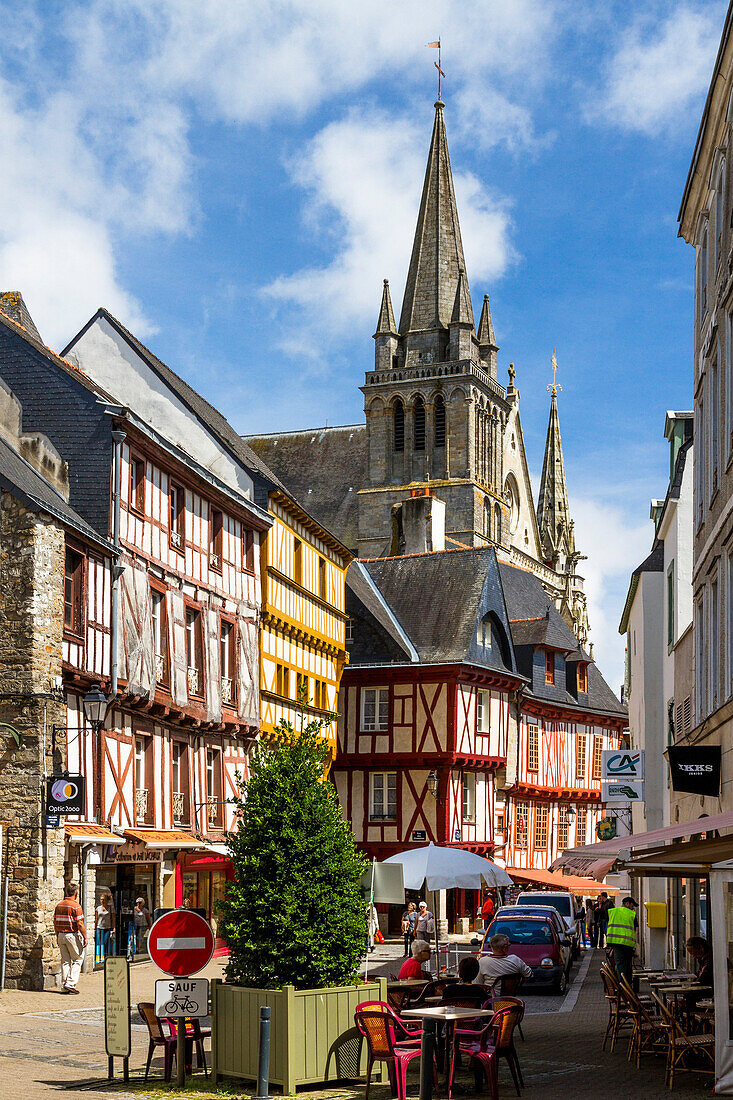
555 385
436 46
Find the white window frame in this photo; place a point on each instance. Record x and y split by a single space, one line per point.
719 211
483 710
700 457
713 403
140 776
468 797
703 277
700 663
382 793
376 700
713 642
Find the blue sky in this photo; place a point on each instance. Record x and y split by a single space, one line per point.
234 179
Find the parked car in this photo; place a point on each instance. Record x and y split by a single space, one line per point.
566 905
541 911
537 943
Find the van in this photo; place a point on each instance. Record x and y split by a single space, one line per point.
566 905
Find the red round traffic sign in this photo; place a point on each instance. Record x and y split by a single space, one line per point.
181 943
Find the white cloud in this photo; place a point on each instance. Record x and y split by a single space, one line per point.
660 69
363 177
614 546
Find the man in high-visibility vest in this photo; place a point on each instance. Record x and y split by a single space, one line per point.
621 936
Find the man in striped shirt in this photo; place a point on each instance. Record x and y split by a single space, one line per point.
71 936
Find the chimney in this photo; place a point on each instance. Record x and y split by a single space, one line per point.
423 522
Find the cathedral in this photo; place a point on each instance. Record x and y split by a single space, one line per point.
440 461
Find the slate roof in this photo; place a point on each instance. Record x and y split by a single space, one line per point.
323 468
438 598
527 604
206 413
359 581
20 478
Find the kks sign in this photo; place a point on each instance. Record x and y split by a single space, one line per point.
695 769
622 764
66 794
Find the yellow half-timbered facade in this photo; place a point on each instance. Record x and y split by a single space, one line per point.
303 634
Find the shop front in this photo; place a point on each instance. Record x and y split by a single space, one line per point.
201 879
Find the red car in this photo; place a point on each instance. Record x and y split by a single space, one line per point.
535 940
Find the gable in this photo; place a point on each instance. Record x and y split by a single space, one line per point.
491 641
109 359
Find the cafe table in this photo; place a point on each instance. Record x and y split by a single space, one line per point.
449 1015
691 991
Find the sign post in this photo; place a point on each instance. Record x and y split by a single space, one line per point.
181 943
117 1013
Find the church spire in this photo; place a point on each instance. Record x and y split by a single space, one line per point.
553 516
437 252
386 322
487 345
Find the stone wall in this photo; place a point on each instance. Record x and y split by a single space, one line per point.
31 624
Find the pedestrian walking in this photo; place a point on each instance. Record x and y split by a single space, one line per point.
601 917
71 936
487 911
590 920
425 923
141 924
580 924
621 936
104 926
409 919
372 926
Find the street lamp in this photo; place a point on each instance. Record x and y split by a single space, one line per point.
433 784
569 811
95 707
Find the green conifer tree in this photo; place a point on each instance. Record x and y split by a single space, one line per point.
294 914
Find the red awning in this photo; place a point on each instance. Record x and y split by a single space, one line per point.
597 860
583 887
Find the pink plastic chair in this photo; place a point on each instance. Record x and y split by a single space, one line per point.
377 1023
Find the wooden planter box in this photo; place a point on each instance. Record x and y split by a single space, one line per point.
312 1033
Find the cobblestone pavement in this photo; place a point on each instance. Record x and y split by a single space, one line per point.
49 1048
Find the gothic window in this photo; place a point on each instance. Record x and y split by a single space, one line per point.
487 517
439 416
399 425
497 524
418 441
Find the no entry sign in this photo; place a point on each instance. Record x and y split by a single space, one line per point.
181 943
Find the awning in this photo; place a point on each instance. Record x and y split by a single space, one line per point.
583 887
597 860
160 840
682 860
81 833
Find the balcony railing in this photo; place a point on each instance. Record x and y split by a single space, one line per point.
179 805
227 692
159 666
212 809
193 680
141 804
177 539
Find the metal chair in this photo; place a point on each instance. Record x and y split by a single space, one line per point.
378 1028
681 1045
158 1038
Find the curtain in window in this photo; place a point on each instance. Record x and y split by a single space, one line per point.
212 664
248 666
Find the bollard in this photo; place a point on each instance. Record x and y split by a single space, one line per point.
427 1049
263 1066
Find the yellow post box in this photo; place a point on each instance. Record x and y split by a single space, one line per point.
656 914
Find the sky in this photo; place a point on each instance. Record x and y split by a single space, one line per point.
233 180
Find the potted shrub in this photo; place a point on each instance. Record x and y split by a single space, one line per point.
295 923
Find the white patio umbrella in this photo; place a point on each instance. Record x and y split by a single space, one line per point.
447 869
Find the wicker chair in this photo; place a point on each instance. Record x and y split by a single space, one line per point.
681 1046
378 1028
648 1033
619 1015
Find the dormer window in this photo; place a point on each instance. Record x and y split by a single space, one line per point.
549 667
582 678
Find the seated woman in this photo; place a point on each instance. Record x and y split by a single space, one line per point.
460 992
412 968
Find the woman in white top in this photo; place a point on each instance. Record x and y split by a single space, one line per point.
104 923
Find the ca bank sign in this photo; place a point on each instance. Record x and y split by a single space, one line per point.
622 764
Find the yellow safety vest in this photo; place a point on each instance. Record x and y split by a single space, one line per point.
621 926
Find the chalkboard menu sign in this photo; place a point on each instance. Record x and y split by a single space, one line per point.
117 1007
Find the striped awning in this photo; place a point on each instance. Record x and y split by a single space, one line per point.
160 840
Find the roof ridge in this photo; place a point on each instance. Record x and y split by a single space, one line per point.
300 431
431 553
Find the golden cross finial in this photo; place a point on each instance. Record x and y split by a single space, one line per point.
436 46
555 385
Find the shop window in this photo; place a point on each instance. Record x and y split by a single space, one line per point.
469 796
180 783
177 517
216 540
383 797
549 667
533 747
137 484
374 709
194 653
228 666
540 828
73 592
521 815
